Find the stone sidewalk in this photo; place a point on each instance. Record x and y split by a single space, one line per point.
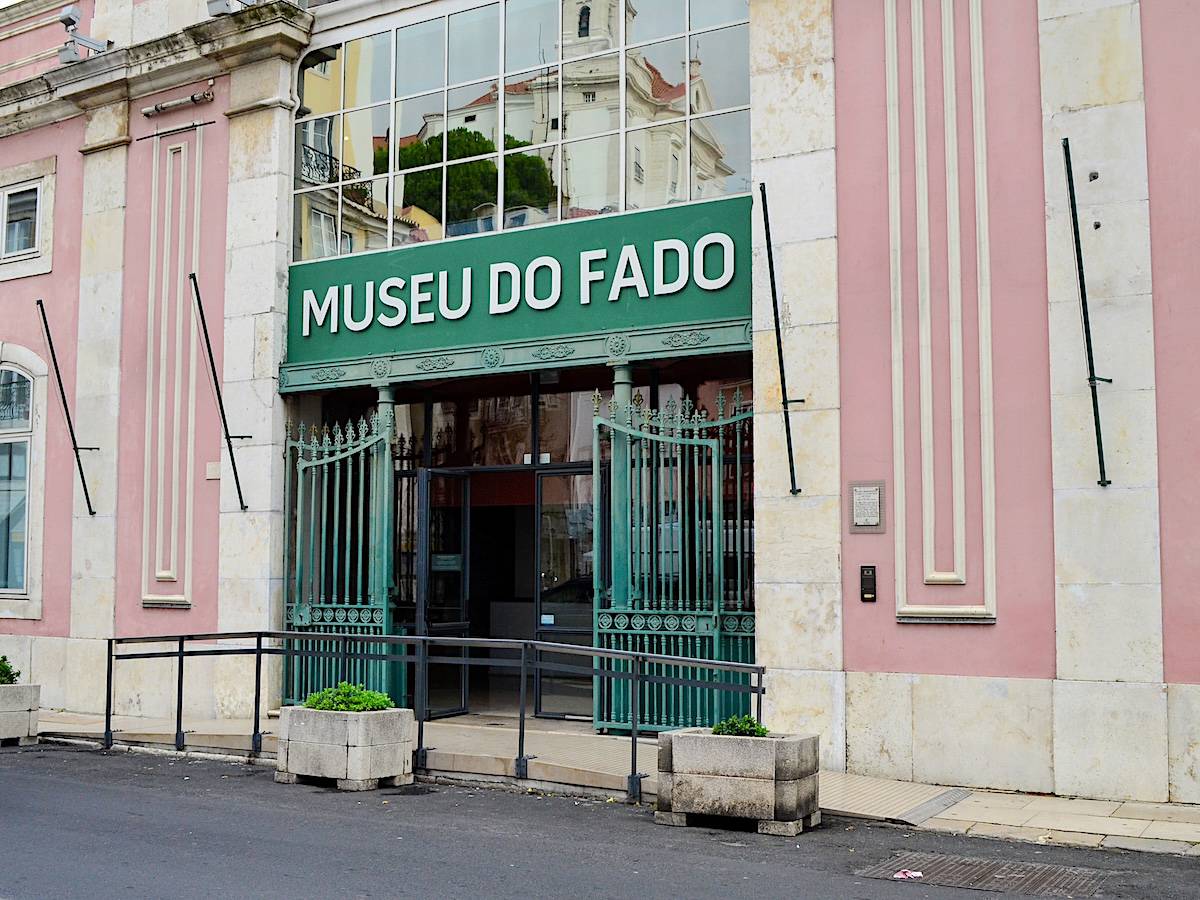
566 755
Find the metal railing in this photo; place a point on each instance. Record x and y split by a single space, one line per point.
348 649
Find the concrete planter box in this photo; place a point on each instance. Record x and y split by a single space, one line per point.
19 712
358 750
771 779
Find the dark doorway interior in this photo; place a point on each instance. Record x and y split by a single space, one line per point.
502 580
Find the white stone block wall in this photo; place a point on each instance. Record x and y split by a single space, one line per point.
1110 706
798 591
257 255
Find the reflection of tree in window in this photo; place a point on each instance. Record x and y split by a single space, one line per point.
585 21
528 180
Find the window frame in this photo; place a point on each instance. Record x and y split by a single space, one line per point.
22 436
5 198
26 602
339 35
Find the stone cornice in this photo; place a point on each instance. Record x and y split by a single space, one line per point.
27 9
276 30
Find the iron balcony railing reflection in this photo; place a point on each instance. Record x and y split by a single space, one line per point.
319 167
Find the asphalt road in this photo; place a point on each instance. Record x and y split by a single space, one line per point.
82 823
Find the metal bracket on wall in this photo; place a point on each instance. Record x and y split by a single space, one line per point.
1093 378
212 364
87 497
787 401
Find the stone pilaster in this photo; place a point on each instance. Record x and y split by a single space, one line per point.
798 592
1108 597
259 227
97 398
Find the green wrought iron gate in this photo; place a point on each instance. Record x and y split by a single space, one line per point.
674 547
338 573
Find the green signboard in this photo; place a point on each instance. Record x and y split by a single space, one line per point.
531 294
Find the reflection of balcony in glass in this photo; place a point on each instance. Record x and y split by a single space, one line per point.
318 167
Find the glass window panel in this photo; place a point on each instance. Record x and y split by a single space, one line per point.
20 225
419 131
564 693
720 67
531 108
14 492
473 116
368 66
531 38
650 19
417 207
590 26
420 57
365 142
654 82
721 155
565 538
16 398
707 13
591 95
473 44
531 187
318 149
364 216
657 166
591 177
471 191
565 426
314 233
320 83
500 430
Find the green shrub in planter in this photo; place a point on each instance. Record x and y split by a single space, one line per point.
347 697
741 726
8 675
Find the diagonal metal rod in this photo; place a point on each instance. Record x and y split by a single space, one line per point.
212 363
1087 321
62 392
787 401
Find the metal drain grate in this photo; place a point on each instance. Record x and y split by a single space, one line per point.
998 875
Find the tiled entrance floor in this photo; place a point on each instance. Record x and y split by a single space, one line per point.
570 754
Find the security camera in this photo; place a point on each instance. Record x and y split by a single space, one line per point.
70 17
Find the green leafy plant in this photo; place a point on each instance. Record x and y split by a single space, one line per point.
347 697
8 675
741 726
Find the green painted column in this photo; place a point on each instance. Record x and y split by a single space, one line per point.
622 403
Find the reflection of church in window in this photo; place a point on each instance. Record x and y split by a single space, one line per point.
569 128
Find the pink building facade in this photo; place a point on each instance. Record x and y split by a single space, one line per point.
1002 620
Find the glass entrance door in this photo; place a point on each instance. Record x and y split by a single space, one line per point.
563 606
443 552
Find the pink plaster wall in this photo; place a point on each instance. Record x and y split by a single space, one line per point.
1172 72
46 35
20 323
1021 643
149 234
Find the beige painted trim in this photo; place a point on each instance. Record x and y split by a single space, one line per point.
28 60
26 9
957 575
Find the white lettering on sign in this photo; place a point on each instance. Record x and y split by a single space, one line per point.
551 265
427 296
663 288
587 275
629 275
327 309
